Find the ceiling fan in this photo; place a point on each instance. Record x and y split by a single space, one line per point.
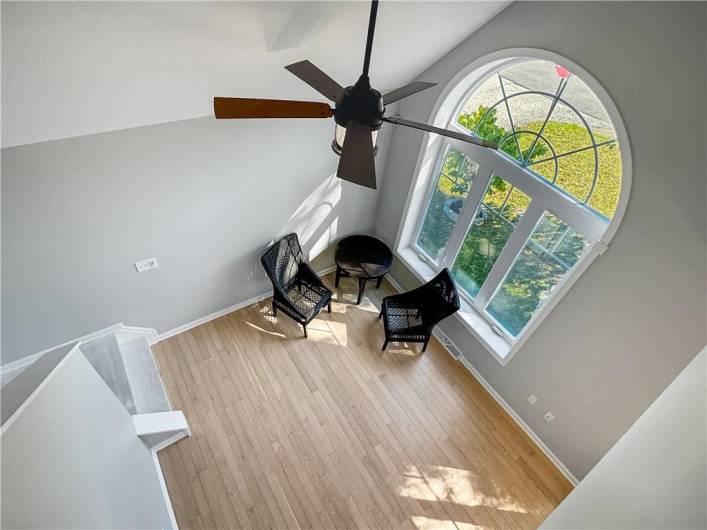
359 112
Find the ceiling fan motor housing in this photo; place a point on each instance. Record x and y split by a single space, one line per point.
360 103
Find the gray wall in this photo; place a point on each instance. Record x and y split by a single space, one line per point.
654 477
72 460
204 197
637 316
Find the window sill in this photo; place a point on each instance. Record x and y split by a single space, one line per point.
497 346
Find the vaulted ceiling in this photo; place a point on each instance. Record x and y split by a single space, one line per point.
77 68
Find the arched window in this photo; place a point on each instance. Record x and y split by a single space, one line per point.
512 225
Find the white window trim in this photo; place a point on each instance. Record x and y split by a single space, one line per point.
452 97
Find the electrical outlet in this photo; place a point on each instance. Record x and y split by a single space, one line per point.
146 264
532 399
549 416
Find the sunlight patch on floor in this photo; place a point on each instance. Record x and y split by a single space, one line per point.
449 484
337 307
329 331
404 349
427 523
348 299
334 402
266 331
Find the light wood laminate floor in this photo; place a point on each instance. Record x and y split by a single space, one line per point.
329 432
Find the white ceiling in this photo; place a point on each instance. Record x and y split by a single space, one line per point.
70 68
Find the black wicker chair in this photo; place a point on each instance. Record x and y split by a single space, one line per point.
411 316
297 290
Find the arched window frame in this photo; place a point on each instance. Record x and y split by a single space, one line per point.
543 198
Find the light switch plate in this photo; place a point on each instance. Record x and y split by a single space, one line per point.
146 264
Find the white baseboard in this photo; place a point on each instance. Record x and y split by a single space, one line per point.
9 370
447 344
225 311
213 316
516 417
394 283
326 271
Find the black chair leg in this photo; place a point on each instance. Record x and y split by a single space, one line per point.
338 276
329 307
274 310
424 344
378 283
385 345
305 330
380 315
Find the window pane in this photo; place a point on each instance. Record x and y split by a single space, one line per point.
571 144
605 195
536 75
453 185
552 250
498 214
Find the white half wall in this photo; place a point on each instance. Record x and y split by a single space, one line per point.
636 317
654 477
71 459
205 197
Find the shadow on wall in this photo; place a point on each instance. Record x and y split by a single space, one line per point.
316 219
204 197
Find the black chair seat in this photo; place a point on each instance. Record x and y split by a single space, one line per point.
400 321
297 290
411 316
307 299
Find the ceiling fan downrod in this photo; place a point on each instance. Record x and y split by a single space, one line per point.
360 102
369 37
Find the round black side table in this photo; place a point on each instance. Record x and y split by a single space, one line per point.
362 257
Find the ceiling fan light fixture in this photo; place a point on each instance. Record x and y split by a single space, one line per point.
340 134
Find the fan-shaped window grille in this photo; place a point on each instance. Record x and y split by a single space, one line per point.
550 122
513 224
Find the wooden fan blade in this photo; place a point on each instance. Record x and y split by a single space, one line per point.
357 164
229 108
315 78
443 132
405 91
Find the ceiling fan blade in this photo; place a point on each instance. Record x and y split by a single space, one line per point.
443 132
356 163
405 91
225 108
315 78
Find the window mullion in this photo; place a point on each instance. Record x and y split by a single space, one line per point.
466 216
560 204
520 235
